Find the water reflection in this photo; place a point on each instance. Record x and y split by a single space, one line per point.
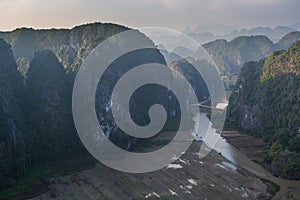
205 132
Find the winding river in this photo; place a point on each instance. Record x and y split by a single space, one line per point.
240 159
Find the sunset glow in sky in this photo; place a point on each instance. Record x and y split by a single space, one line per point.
176 14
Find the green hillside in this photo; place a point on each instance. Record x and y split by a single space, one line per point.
230 56
70 45
266 103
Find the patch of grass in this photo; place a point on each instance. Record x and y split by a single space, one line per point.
291 195
32 177
34 182
272 188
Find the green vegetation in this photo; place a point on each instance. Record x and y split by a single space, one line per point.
191 74
12 139
266 103
291 195
36 122
70 46
23 184
38 177
288 39
230 56
48 109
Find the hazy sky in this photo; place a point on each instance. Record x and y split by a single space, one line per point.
176 14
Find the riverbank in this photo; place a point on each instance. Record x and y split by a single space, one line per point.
254 149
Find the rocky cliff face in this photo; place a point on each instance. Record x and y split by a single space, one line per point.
186 69
265 103
35 109
12 138
47 106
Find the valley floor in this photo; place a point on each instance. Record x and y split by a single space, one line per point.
190 177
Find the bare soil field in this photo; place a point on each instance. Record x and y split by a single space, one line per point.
189 177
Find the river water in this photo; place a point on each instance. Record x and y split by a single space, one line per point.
238 157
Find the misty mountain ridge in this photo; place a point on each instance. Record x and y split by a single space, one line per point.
72 45
208 33
230 56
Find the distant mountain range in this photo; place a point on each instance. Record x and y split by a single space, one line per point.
208 33
230 56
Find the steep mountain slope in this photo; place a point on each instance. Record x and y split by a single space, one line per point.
35 109
186 69
230 56
47 107
12 138
37 123
71 48
266 104
70 45
288 39
225 56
